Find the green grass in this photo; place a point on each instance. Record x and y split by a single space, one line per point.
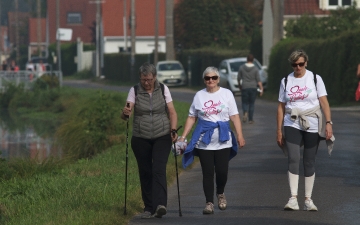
84 191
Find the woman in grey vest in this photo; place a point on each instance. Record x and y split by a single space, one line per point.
154 119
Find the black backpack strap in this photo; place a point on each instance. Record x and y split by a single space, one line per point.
285 81
135 89
315 80
162 89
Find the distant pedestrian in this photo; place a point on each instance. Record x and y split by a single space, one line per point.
212 140
4 66
154 130
302 96
249 80
13 66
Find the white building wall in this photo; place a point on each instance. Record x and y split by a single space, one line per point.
143 45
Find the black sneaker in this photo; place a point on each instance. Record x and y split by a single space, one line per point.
160 211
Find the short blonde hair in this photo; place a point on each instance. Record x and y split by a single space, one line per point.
295 55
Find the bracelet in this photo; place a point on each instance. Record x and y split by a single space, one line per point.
182 137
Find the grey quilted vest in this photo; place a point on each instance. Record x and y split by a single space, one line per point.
150 117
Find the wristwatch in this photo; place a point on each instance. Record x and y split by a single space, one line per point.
331 123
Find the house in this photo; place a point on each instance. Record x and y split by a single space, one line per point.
80 16
293 9
4 43
22 18
34 42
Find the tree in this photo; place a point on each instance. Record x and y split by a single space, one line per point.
215 22
310 27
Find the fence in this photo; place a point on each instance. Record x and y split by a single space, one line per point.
27 78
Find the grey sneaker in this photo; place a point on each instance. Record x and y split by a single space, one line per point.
310 206
209 208
160 211
245 117
292 204
145 215
221 201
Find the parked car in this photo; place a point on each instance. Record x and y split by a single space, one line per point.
38 64
171 73
229 68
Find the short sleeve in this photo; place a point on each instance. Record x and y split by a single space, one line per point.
131 95
320 86
282 97
167 94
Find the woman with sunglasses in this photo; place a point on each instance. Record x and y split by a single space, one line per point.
212 140
154 130
249 79
300 122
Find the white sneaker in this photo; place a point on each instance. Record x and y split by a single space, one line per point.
209 208
310 206
292 204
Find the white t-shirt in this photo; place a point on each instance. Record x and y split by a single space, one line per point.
131 95
301 93
217 106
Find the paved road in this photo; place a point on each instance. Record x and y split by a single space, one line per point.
257 187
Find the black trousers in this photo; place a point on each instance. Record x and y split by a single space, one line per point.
218 161
152 156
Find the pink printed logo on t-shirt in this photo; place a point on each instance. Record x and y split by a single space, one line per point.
211 108
297 93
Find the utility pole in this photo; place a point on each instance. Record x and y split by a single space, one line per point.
133 25
1 38
156 32
125 27
170 54
58 35
39 28
17 31
97 60
278 21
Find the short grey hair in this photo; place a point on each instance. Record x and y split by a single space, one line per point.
295 55
211 69
146 69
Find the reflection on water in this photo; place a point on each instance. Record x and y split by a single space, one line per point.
27 144
27 139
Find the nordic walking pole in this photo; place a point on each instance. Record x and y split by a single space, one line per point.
127 156
177 174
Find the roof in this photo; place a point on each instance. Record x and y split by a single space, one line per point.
300 7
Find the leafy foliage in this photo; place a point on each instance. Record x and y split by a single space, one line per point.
215 22
310 27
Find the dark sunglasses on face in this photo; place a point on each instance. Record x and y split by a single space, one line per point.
298 64
207 78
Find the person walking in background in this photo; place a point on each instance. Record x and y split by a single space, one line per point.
212 140
301 95
249 79
13 66
4 66
154 130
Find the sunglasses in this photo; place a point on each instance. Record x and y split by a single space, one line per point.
298 64
213 78
146 80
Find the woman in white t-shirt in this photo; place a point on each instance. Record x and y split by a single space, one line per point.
212 140
301 95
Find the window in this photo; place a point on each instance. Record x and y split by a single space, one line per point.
339 3
74 18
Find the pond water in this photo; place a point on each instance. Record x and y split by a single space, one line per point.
24 139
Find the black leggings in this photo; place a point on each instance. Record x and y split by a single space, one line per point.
294 138
210 159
